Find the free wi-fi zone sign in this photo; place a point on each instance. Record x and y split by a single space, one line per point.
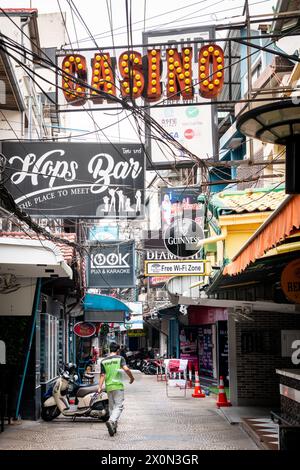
177 268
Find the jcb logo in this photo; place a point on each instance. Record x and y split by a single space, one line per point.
116 260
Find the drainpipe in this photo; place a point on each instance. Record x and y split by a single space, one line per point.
30 81
35 314
215 239
206 241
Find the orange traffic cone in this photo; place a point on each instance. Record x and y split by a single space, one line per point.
197 391
222 398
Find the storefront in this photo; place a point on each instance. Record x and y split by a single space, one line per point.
264 321
32 323
204 342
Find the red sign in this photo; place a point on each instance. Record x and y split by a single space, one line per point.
189 133
290 281
84 330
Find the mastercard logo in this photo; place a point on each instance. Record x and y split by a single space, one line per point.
189 133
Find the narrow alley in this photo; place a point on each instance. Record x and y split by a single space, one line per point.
150 420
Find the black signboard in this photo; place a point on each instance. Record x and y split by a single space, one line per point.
182 238
222 335
205 350
111 265
67 179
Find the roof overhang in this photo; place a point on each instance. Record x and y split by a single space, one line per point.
275 229
238 304
32 258
31 14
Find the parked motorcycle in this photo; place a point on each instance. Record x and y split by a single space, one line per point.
88 402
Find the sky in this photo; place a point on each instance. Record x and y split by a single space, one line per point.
146 15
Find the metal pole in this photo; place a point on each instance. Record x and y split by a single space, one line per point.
35 313
249 75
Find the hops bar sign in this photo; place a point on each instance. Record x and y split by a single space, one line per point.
62 179
148 77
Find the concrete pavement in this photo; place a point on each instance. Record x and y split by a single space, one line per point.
150 420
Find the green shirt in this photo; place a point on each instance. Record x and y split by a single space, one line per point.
110 366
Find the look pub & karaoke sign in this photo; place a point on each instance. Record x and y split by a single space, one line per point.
152 76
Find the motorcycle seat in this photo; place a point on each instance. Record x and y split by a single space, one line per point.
86 390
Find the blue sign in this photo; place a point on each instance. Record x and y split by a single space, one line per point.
105 233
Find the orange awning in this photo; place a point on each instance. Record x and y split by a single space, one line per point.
276 228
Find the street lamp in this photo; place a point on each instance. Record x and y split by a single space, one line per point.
277 123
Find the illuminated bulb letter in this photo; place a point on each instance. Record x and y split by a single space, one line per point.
180 78
131 70
211 70
102 77
154 88
73 87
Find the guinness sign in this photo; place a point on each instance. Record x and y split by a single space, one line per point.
182 238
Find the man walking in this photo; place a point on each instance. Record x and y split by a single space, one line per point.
111 373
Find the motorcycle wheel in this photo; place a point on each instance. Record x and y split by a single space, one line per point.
106 417
48 413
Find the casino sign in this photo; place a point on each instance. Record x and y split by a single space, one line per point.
144 76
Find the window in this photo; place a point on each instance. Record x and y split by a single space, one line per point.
256 72
49 347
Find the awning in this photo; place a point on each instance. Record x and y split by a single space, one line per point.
169 313
32 259
280 225
103 308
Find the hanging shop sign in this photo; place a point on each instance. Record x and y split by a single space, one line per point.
142 75
182 238
112 264
158 281
135 333
176 268
155 248
193 126
68 179
290 281
180 203
84 329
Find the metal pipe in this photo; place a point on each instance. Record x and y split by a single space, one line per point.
33 326
215 239
30 80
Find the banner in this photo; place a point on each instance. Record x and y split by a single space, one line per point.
67 179
112 264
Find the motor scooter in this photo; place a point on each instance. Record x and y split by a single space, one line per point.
88 402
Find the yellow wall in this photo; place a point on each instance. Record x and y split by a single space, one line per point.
239 228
